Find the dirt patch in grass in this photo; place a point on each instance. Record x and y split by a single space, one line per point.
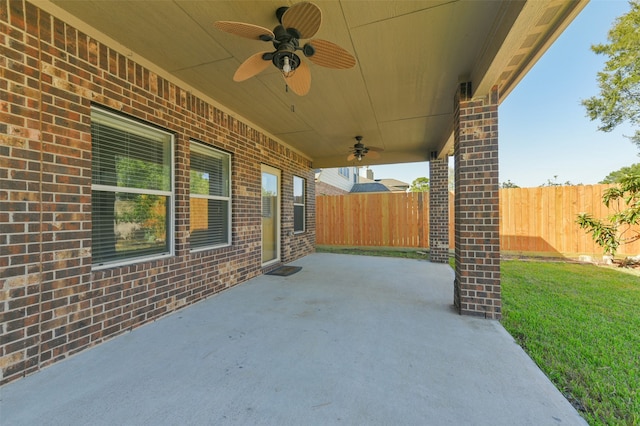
375 251
623 265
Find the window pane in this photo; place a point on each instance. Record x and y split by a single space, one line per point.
209 173
128 225
209 222
132 195
269 185
210 197
298 218
298 204
298 190
125 159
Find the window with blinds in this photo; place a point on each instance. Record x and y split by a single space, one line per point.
210 201
298 204
131 190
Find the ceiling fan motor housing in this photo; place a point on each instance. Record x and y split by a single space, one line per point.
286 44
285 35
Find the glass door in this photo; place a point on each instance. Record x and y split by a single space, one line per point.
270 215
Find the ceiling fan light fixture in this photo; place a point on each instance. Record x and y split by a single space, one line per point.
286 62
286 67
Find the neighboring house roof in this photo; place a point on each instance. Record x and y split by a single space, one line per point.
369 187
391 185
394 184
364 179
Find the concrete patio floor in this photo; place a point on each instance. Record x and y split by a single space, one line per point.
347 340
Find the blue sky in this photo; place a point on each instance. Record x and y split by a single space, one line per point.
544 130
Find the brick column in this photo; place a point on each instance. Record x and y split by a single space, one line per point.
439 210
477 238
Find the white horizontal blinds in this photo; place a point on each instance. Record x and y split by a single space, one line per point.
298 204
130 155
131 189
210 204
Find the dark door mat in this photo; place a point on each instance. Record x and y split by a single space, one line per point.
285 271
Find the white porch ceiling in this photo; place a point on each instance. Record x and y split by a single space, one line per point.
411 56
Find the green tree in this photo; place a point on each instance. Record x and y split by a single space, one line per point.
616 177
555 182
616 230
420 184
509 184
199 182
619 81
145 210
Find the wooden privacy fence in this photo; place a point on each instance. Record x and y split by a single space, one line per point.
373 219
532 220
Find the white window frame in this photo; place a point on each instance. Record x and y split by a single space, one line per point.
123 122
303 204
206 150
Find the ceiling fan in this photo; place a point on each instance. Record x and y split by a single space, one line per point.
359 150
300 21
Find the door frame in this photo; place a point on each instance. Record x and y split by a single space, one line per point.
276 172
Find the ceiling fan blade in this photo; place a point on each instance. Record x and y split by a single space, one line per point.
331 55
373 154
305 17
254 32
300 80
376 149
252 66
351 157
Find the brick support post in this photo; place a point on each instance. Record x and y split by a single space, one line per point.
439 210
477 239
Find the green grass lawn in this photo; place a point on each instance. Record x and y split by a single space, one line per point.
580 324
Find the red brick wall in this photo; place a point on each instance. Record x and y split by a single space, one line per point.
439 210
326 189
477 216
51 302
